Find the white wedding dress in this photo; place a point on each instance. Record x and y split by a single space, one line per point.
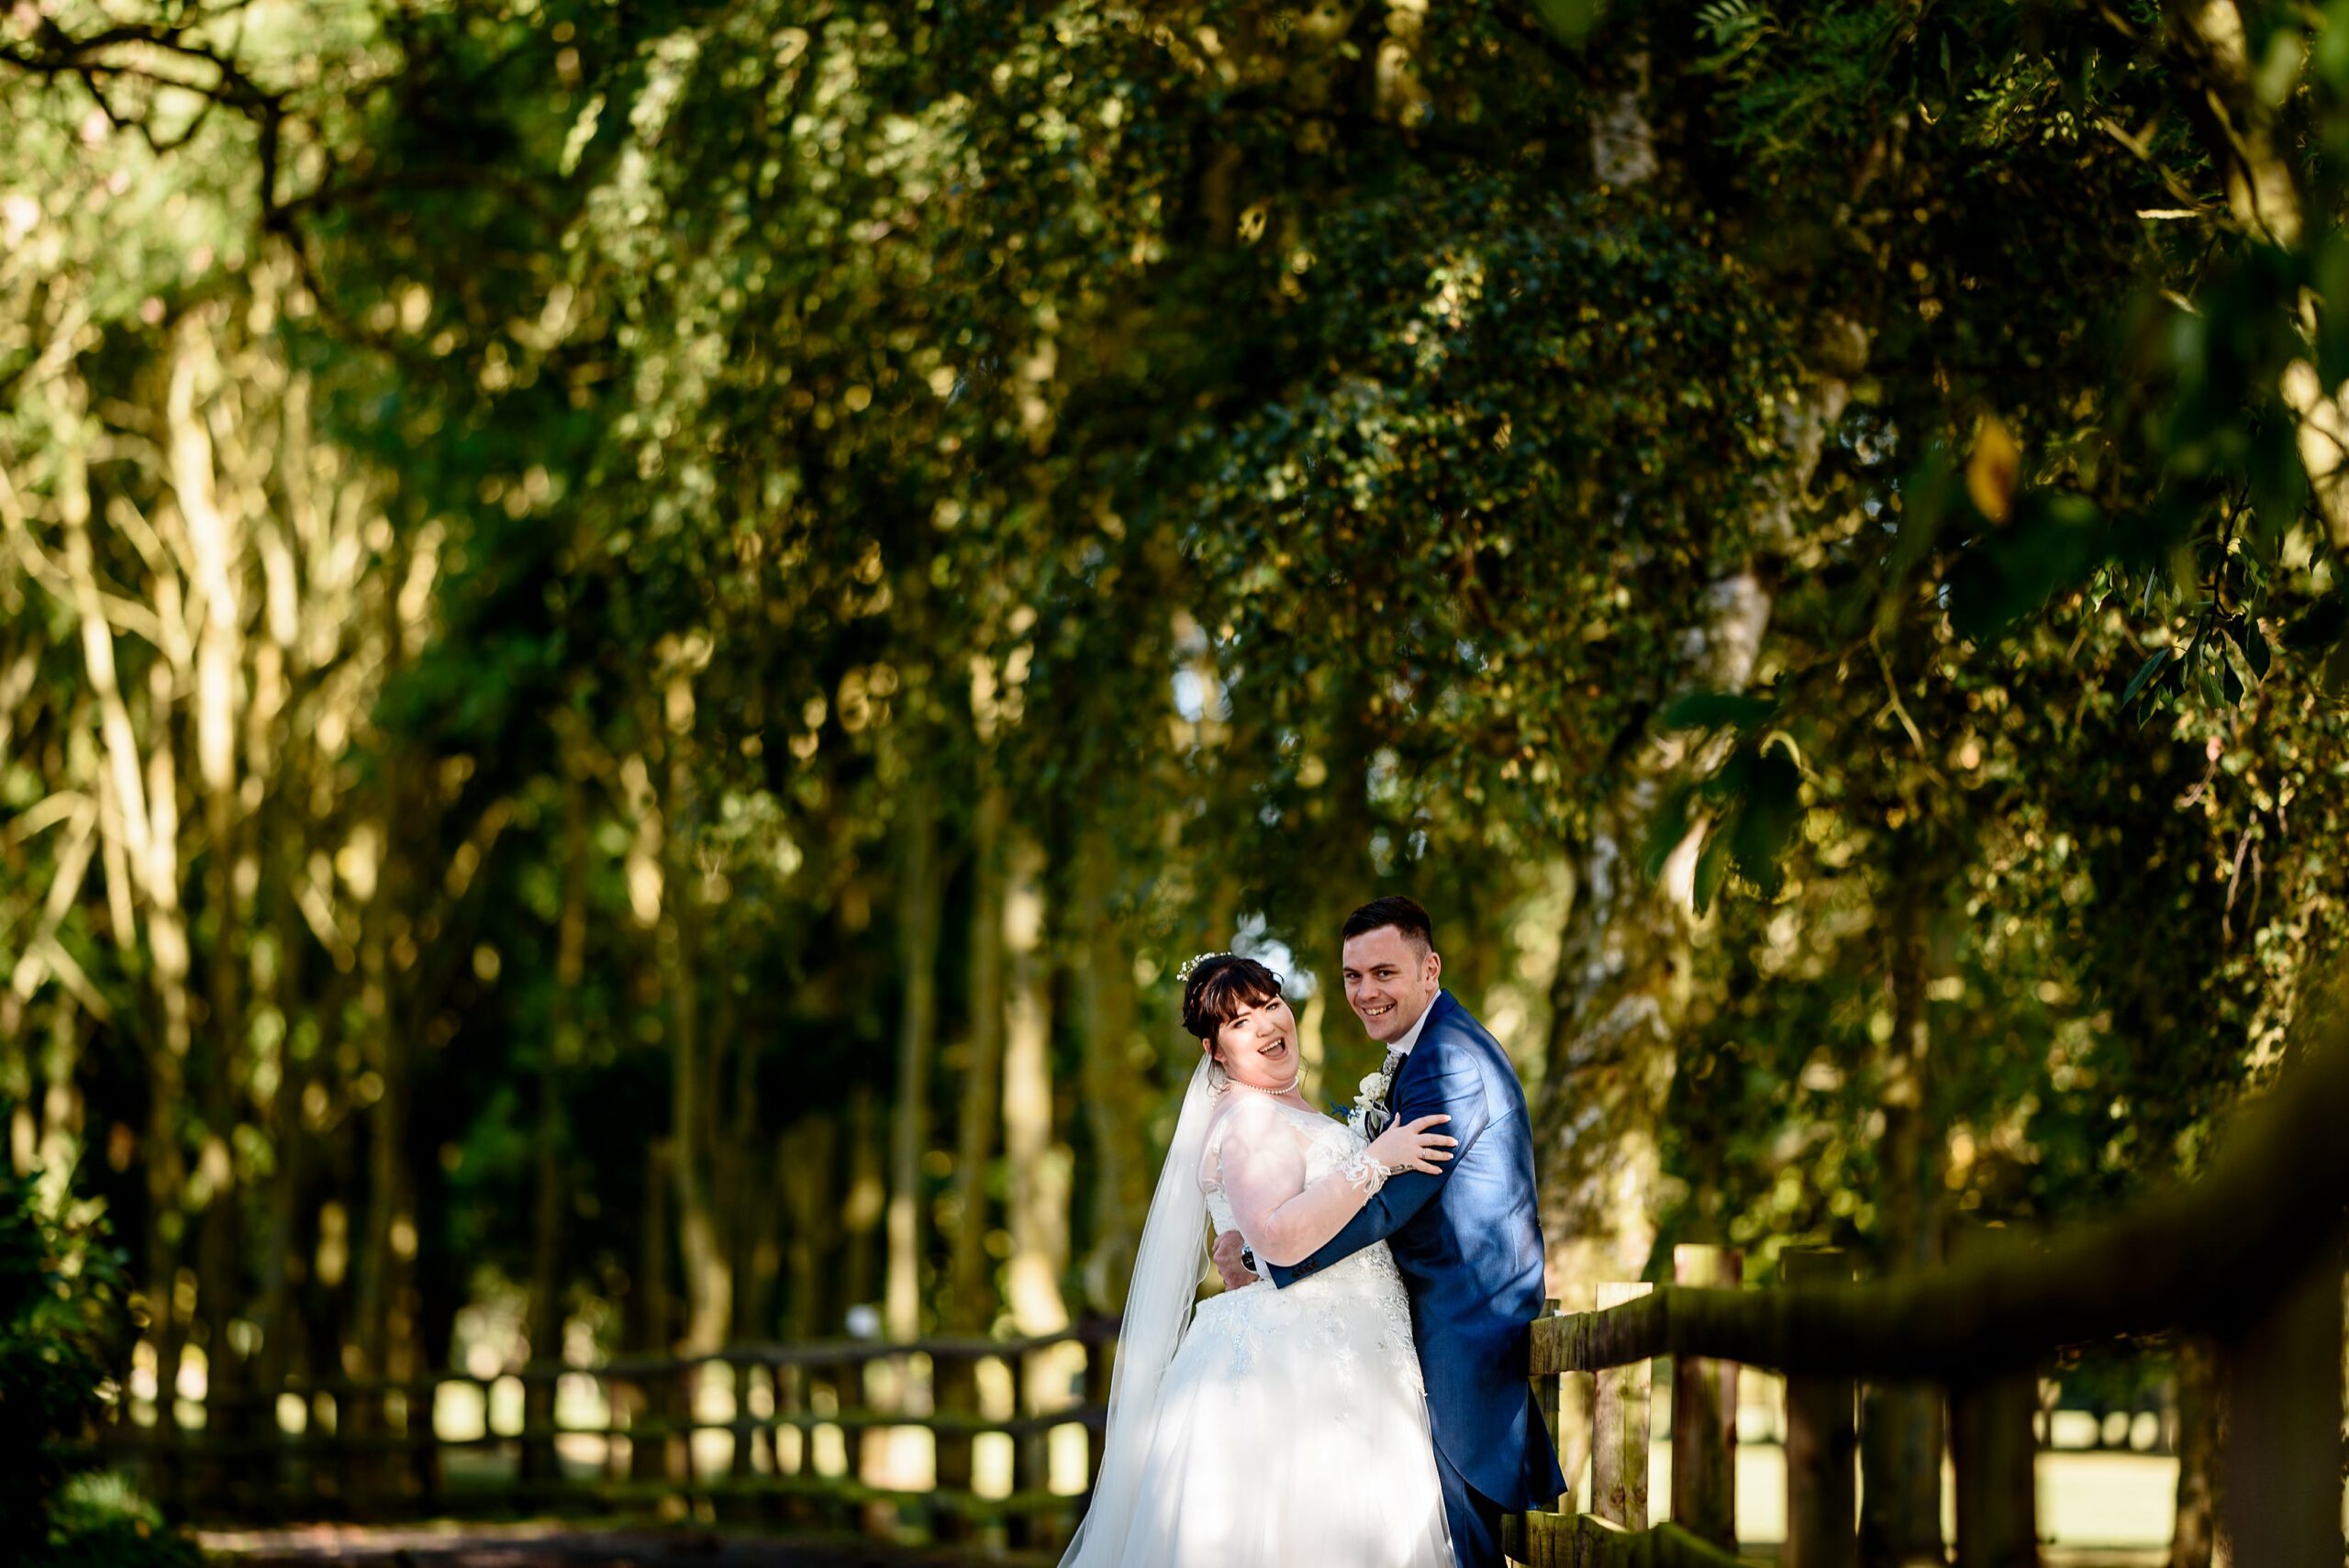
1278 1428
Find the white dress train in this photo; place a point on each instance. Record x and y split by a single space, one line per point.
1290 1428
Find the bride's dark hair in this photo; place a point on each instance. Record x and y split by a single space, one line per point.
1220 989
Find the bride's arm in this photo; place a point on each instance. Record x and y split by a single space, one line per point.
1285 1217
1448 1083
1264 1176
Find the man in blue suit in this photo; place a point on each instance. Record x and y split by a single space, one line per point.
1468 1241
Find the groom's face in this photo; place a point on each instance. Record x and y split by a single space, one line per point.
1390 981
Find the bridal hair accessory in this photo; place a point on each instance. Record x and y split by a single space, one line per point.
1182 975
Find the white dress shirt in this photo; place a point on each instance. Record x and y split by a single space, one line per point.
1411 1036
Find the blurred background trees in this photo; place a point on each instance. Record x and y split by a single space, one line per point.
633 640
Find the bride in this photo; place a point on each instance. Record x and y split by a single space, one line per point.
1267 1428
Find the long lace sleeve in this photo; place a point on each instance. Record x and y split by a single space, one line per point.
1283 1218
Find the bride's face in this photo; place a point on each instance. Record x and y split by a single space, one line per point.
1258 1047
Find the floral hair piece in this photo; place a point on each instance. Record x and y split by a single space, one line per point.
1182 975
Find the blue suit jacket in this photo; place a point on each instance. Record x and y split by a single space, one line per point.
1468 1244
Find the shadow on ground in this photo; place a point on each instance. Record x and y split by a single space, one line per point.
561 1545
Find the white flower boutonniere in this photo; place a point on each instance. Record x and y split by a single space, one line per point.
1371 1097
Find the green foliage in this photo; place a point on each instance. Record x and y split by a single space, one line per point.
64 1328
701 445
100 1521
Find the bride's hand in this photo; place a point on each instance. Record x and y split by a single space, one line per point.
1227 1252
1409 1146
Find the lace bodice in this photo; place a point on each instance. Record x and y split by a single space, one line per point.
1266 1428
1220 1210
1332 1317
1328 1146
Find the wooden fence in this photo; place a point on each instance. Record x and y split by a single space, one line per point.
2249 1259
815 1434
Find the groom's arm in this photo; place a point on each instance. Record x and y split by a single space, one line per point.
1447 1084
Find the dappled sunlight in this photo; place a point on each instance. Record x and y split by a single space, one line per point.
633 643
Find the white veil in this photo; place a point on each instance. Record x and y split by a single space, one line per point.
1158 1308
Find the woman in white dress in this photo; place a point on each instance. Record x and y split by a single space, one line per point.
1268 1429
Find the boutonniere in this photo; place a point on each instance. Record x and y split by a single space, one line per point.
1371 1097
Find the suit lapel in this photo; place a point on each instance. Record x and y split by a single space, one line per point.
1437 1010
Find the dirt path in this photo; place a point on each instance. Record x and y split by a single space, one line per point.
556 1545
559 1545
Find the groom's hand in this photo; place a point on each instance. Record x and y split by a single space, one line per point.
1228 1248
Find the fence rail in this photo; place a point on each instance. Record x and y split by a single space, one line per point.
2249 1258
809 1434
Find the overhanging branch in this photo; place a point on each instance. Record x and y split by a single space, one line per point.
2202 1258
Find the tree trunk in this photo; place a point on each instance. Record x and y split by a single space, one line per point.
149 836
283 1270
806 1166
759 1196
653 1314
168 951
1622 982
1615 1007
710 1285
970 1293
1113 1086
1900 1431
1622 988
861 1214
921 903
1039 1169
377 1286
59 1151
219 1292
542 1306
2195 1534
214 548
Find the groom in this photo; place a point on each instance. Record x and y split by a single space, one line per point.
1468 1241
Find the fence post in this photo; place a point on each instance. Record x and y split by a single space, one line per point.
1547 1387
867 1460
539 1468
794 1394
1822 1443
1619 1430
166 1476
648 1400
955 1378
330 1414
363 1425
1993 1452
423 1449
1704 1415
213 1471
1100 1369
684 1385
824 1385
2194 1421
742 1463
2281 1497
1030 1455
1536 1537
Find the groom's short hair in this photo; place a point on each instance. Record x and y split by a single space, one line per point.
1404 913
